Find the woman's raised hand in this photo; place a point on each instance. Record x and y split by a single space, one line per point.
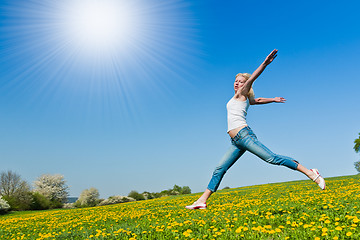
271 57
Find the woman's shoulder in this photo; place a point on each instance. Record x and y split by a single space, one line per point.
239 97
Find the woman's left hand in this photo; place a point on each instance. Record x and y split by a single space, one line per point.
279 99
271 57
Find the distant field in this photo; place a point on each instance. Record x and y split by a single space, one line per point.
292 210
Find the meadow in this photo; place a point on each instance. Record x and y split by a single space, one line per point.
291 210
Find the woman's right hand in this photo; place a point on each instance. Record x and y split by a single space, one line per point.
271 57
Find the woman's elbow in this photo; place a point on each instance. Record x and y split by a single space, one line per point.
253 102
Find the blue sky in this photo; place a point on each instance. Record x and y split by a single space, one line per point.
151 112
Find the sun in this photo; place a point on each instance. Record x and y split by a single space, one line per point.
98 26
98 49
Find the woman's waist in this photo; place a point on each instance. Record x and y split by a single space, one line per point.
233 132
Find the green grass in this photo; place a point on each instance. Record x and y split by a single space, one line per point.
291 210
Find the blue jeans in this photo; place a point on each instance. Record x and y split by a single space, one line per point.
244 141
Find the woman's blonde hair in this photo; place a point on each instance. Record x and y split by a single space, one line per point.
251 93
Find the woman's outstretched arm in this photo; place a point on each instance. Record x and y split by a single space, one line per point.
247 86
261 100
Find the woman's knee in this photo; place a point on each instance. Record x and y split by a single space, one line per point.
219 170
272 159
284 161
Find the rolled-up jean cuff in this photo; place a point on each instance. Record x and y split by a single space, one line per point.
294 165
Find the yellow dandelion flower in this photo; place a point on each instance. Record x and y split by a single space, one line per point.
348 234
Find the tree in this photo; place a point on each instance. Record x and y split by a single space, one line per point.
53 187
137 196
357 149
15 191
88 198
185 190
11 183
357 144
357 166
177 189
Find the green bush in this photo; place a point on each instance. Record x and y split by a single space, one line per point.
40 202
56 204
19 202
137 196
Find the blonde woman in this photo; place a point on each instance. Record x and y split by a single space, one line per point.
243 138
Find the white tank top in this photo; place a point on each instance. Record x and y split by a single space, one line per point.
236 113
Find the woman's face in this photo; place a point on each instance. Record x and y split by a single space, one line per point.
239 82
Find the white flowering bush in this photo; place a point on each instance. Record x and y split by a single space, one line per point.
4 206
53 187
88 198
69 205
116 199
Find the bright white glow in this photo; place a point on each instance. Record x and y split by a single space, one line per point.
106 49
98 26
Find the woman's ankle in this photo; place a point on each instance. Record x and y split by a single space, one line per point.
201 200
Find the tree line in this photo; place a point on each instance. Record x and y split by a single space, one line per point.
90 197
51 191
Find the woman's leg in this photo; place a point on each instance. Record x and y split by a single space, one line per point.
204 197
230 157
250 142
253 145
310 174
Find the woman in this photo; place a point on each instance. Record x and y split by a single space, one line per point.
242 137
